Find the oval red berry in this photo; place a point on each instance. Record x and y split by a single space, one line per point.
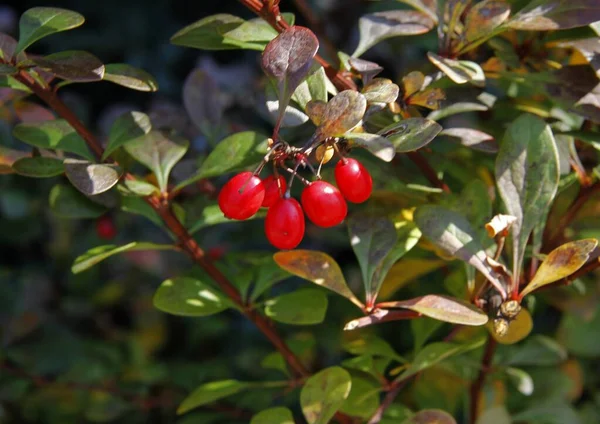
274 189
105 228
324 204
242 196
353 180
284 225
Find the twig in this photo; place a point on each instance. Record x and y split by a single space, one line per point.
387 401
477 386
427 170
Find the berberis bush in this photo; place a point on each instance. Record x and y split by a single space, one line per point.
467 187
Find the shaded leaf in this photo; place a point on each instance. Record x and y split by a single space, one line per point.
459 71
72 65
527 174
430 416
91 178
288 58
38 167
495 415
367 70
543 15
426 6
98 254
8 46
208 33
474 139
158 153
537 350
376 27
201 100
39 22
314 87
139 188
484 17
324 393
210 392
212 215
363 399
560 263
55 135
381 90
277 415
189 297
6 69
379 146
233 153
518 329
301 307
342 113
318 267
452 232
411 134
130 77
580 334
67 202
10 82
442 308
406 271
371 345
127 127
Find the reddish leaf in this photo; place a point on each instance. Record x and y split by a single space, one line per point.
442 308
342 113
73 65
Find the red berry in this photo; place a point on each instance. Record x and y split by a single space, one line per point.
324 204
273 190
242 196
284 225
354 180
105 228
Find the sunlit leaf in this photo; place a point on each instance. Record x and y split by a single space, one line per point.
411 134
381 90
484 17
56 135
412 83
130 77
429 7
67 202
189 297
277 415
342 113
379 146
314 87
126 127
39 22
98 254
212 215
208 33
430 416
560 263
38 167
543 15
324 393
367 70
474 139
315 109
318 267
527 174
442 308
430 98
376 27
210 392
301 307
158 153
518 329
495 415
91 178
459 71
73 65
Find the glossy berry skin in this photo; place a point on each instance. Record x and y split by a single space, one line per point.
284 225
324 204
272 192
353 180
105 228
242 196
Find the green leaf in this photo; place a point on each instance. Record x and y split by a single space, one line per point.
342 113
288 59
537 350
459 71
233 153
544 15
314 87
127 127
376 27
318 267
435 353
324 393
10 82
363 399
38 167
253 34
210 392
560 263
430 416
139 206
98 254
212 215
91 178
453 233
372 345
138 188
277 415
411 134
372 239
527 174
208 33
484 17
72 65
6 69
39 22
379 146
495 415
442 308
580 334
55 135
189 297
130 77
158 153
67 202
301 307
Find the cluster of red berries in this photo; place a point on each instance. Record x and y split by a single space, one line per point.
324 204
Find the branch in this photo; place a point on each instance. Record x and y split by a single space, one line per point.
387 401
477 386
427 170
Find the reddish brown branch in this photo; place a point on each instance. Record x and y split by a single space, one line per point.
427 170
387 401
477 386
